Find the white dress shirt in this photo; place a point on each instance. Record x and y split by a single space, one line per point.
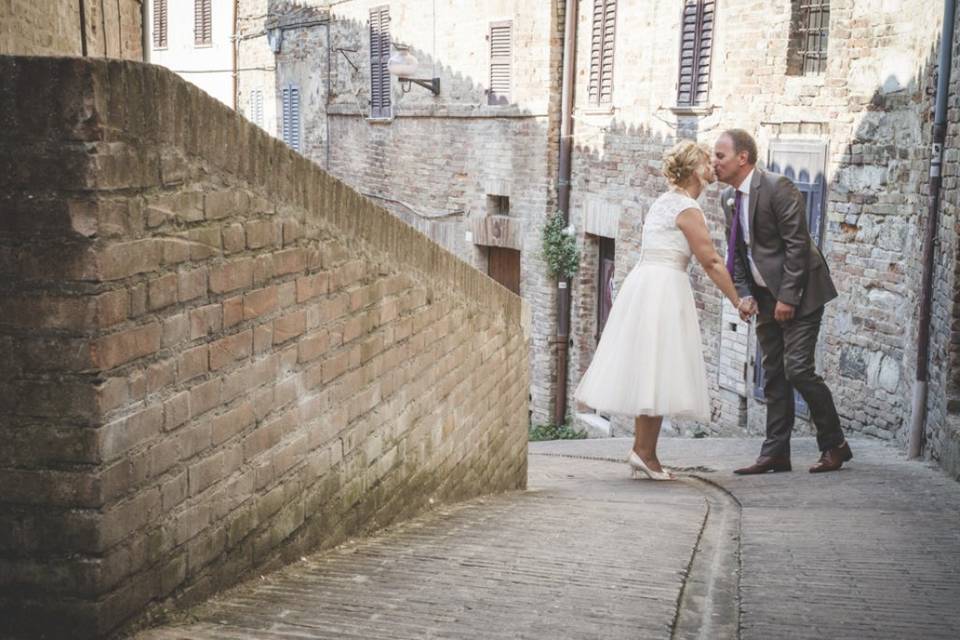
744 214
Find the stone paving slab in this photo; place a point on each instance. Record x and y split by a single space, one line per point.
586 552
869 552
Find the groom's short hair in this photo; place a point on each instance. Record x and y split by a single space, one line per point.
743 141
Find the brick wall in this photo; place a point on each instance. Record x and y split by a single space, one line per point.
218 356
111 28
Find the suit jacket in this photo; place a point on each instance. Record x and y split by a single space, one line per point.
786 256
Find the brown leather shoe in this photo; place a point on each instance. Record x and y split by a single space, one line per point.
833 459
765 464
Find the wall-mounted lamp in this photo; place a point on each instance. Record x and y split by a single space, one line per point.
275 38
403 64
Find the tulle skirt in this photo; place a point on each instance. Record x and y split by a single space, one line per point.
650 358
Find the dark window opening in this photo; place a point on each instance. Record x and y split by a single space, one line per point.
809 33
498 205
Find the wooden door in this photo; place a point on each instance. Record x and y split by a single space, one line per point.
503 265
607 265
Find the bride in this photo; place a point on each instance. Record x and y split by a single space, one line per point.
649 362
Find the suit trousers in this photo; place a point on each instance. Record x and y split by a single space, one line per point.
788 362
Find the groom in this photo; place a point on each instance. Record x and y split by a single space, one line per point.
782 277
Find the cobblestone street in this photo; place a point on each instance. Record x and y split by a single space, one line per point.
585 553
870 552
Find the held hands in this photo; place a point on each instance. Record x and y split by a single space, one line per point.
747 308
783 312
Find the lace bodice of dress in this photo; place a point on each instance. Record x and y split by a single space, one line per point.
660 231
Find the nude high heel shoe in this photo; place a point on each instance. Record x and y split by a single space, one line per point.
638 466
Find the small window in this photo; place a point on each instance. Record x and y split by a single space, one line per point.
498 205
379 57
809 31
159 24
290 120
202 29
601 51
501 62
696 46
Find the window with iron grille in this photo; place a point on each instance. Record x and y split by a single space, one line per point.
160 24
601 51
696 46
290 116
379 57
255 108
809 31
202 29
501 62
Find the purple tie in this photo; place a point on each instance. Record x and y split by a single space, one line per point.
734 232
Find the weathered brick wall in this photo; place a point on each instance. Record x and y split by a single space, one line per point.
434 163
217 356
110 28
871 108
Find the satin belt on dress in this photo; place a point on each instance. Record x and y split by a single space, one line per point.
665 258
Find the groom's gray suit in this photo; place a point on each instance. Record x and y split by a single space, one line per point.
795 273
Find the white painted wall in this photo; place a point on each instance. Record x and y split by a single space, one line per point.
208 67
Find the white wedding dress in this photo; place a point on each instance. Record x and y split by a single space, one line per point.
650 358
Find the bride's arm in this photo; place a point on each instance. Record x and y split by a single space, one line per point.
691 223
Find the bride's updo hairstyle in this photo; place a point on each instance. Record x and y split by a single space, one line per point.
683 160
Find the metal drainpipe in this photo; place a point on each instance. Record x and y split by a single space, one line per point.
144 32
327 100
235 49
563 197
930 240
83 28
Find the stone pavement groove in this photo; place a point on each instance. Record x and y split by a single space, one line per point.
586 552
870 552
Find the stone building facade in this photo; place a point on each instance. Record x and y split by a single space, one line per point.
97 28
473 167
852 129
838 94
